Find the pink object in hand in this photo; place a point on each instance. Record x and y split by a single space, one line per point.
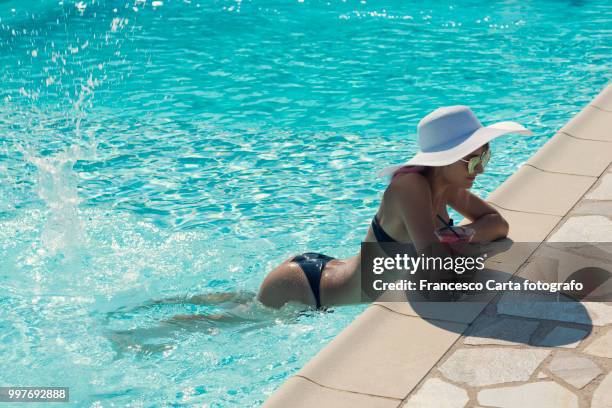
445 235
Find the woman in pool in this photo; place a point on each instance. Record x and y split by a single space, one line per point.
454 149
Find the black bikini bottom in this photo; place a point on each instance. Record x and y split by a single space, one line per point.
313 264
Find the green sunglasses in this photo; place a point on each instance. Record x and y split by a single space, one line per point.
475 161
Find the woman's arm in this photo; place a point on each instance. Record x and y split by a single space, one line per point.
411 197
486 221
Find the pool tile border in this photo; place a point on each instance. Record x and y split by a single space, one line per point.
300 392
533 227
570 155
360 359
378 345
525 189
592 123
462 313
603 101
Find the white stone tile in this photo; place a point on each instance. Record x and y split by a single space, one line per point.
587 207
588 228
600 312
573 369
439 394
602 190
486 366
602 346
602 397
545 394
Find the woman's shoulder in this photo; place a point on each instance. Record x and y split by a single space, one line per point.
408 186
411 180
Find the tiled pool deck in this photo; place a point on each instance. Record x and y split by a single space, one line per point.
490 354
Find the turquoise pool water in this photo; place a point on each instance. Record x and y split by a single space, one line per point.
161 149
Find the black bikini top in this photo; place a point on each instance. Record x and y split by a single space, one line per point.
382 236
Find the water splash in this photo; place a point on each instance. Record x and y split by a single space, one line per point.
57 184
57 187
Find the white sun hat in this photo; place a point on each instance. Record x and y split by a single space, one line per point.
450 133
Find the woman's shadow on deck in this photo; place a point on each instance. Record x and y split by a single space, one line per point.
518 316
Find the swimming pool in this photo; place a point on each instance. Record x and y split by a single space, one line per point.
172 148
